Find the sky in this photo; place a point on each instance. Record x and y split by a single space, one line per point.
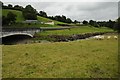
76 10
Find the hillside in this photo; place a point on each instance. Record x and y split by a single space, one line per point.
20 17
46 20
18 13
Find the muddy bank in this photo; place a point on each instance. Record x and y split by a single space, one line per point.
66 38
17 39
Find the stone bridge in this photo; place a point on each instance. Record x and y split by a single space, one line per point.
18 31
25 31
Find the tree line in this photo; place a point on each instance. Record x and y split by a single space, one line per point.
30 13
110 24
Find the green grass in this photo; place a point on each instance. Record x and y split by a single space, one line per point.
46 20
37 24
83 59
32 25
18 13
20 18
81 29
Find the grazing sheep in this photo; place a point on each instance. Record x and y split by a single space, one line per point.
95 37
115 37
108 37
99 37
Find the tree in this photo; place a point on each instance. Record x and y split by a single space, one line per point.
4 20
29 13
51 17
68 20
10 6
100 23
17 7
110 24
91 22
43 14
85 22
11 18
58 18
96 24
117 25
75 21
63 18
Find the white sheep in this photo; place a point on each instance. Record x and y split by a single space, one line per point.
108 37
115 37
99 37
96 37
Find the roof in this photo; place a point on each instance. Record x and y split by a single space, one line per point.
31 20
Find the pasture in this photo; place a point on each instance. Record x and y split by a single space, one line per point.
20 18
76 59
79 30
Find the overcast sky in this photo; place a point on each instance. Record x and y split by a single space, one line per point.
95 10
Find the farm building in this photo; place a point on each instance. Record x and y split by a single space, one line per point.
50 22
31 21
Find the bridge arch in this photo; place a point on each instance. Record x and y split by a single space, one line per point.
16 38
13 34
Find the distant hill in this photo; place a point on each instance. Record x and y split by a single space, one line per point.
20 17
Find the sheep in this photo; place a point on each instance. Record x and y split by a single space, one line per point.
99 37
108 37
115 37
96 37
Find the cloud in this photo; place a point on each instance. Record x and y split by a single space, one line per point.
60 0
119 9
85 10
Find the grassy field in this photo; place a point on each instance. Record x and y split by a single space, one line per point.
81 29
46 20
20 18
83 59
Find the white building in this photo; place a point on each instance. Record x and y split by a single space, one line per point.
50 22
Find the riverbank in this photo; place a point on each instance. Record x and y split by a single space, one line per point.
66 38
13 40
